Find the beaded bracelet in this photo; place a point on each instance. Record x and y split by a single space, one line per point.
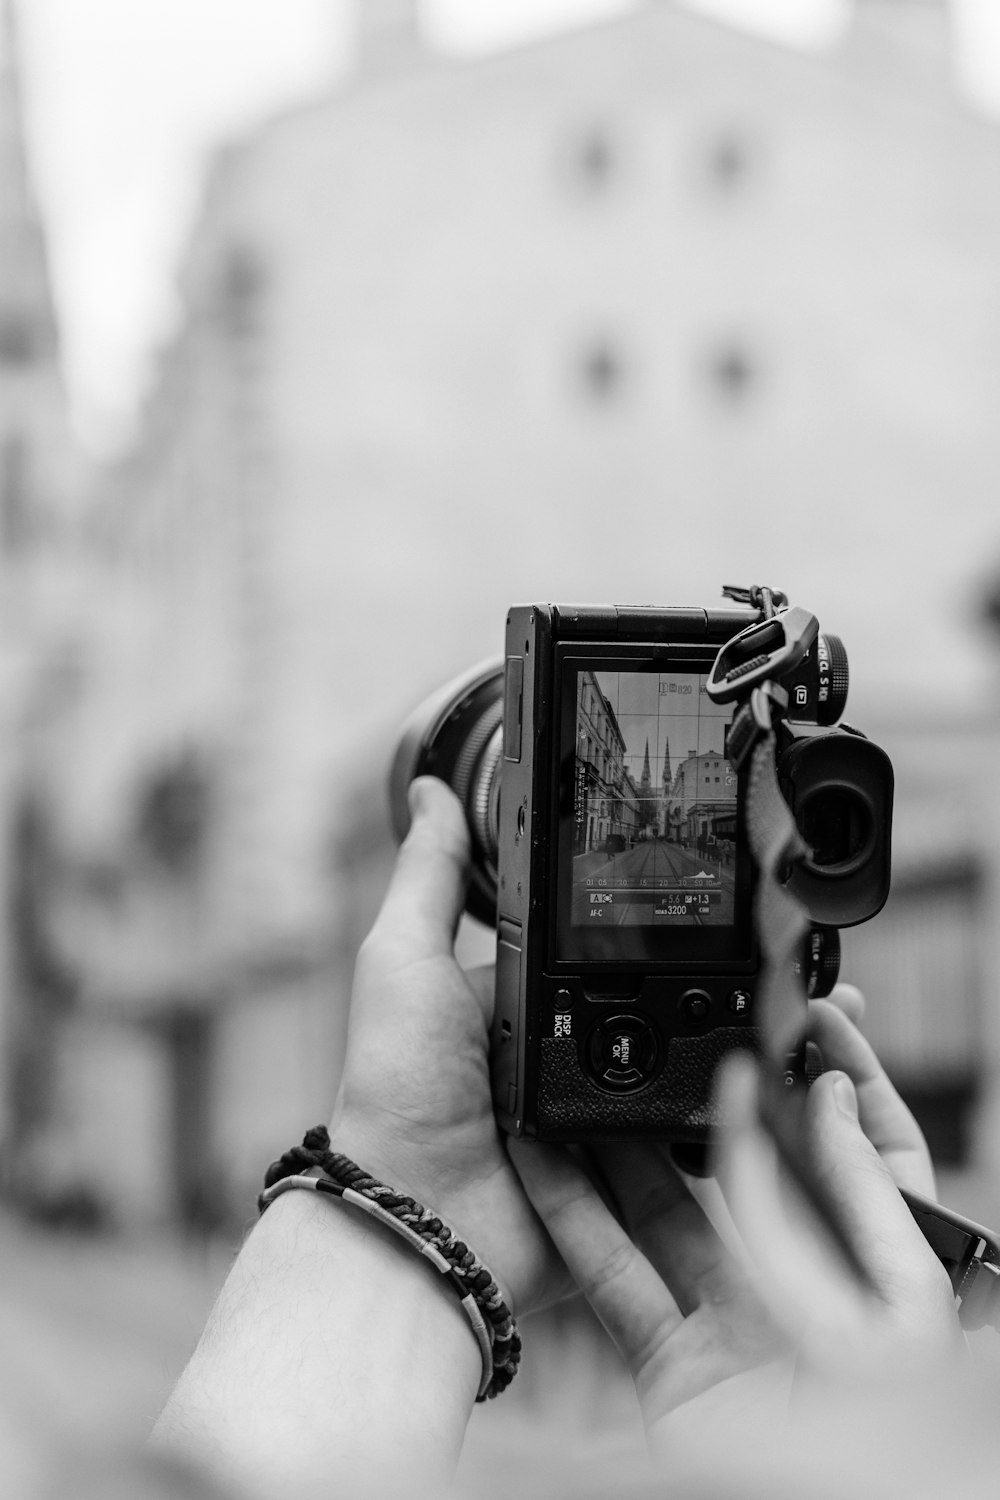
490 1318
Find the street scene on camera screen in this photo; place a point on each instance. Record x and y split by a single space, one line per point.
654 807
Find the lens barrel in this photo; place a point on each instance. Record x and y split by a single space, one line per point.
457 735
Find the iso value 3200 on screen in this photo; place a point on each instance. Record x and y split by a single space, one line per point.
654 803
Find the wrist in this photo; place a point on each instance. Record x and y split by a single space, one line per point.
323 1300
424 1233
453 1195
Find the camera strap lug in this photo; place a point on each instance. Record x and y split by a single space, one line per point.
757 596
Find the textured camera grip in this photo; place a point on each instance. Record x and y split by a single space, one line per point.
678 1104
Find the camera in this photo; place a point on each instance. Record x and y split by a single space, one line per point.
610 853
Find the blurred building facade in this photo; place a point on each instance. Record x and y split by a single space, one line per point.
470 332
43 479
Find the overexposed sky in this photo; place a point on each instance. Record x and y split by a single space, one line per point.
126 100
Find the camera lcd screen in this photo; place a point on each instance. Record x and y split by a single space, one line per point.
649 819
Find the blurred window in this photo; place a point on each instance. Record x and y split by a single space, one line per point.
241 286
17 341
15 509
589 160
730 160
732 371
596 159
602 370
172 814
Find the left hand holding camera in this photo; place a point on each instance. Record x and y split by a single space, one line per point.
333 1357
414 1107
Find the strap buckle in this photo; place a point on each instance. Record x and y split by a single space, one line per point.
767 649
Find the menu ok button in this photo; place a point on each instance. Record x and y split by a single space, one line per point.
622 1052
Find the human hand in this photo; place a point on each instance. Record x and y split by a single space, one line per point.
414 1106
674 1296
707 1331
885 1119
321 1302
893 1310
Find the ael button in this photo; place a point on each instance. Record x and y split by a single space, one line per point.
740 1002
622 1052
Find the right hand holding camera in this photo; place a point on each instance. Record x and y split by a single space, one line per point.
711 1324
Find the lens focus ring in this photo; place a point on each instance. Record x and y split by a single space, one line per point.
482 802
817 690
475 772
840 677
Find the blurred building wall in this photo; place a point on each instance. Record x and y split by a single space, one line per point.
621 315
42 486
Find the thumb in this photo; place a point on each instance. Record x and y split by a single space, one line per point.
426 893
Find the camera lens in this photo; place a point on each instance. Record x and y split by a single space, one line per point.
838 824
457 735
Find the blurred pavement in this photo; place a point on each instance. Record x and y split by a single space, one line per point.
93 1334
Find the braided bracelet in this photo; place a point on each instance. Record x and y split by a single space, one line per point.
489 1316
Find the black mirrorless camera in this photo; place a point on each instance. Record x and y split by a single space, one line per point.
610 853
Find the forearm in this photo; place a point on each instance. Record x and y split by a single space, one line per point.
333 1353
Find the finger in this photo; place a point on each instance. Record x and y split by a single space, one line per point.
616 1278
885 1119
668 1224
797 1272
426 894
861 1192
806 1284
849 999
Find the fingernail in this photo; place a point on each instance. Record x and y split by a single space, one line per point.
846 1097
417 798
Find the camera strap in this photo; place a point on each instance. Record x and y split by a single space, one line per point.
969 1252
782 925
781 921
